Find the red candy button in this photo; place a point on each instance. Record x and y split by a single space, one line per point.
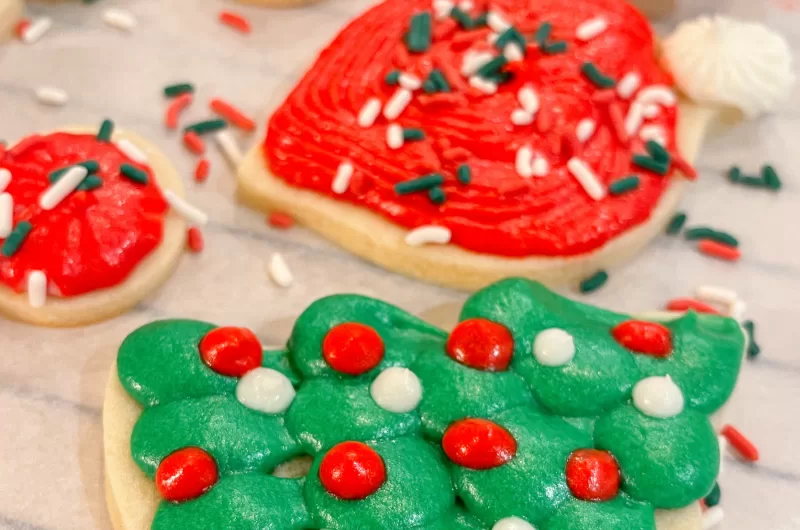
186 474
352 471
352 348
481 344
593 475
231 351
648 338
478 444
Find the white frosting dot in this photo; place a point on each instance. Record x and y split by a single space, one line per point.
265 390
553 347
658 397
397 390
513 523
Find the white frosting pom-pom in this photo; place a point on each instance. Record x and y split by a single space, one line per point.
513 523
658 397
725 61
265 390
396 390
553 347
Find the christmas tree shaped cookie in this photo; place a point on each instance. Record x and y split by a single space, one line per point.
535 412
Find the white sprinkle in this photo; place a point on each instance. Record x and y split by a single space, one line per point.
428 234
473 60
512 523
629 84
634 118
397 390
119 19
466 5
194 215
409 82
660 94
723 450
737 310
132 151
528 98
369 113
279 271
58 191
553 347
492 38
497 22
712 517
586 177
265 390
591 28
651 111
6 215
521 117
230 149
397 103
585 129
37 289
5 178
513 52
658 397
341 182
485 86
37 29
524 162
49 95
394 136
716 295
540 166
442 8
654 132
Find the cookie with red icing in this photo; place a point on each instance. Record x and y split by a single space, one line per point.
10 14
86 228
461 144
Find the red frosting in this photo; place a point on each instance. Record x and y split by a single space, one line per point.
186 474
352 471
478 444
481 344
644 337
231 351
352 348
593 475
499 213
92 239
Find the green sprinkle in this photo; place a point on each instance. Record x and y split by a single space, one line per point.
704 232
677 222
543 33
464 174
481 20
413 134
650 164
16 238
771 177
92 182
463 18
429 87
393 77
658 152
596 76
734 174
92 166
422 183
554 48
202 127
438 78
177 89
492 68
133 173
713 498
753 349
418 38
594 282
508 36
436 195
106 130
753 182
624 185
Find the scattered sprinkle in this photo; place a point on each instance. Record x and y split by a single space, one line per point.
280 220
487 87
753 349
634 118
195 240
201 170
740 443
369 113
36 30
624 185
462 17
439 81
653 132
555 47
230 149
585 130
704 232
232 114
21 27
658 152
473 60
134 173
419 36
61 188
734 174
629 84
119 19
194 142
713 498
409 82
464 174
48 95
594 75
594 282
419 184
617 117
132 151
716 295
428 235
175 108
279 271
206 126
191 213
650 164
542 34
106 131
397 103
6 215
771 177
341 182
587 178
413 135
392 78
719 250
16 239
235 21
437 195
676 223
591 28
497 22
528 99
5 177
658 94
37 289
686 304
178 89
540 166
521 117
524 161
394 136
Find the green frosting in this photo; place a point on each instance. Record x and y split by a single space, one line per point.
550 412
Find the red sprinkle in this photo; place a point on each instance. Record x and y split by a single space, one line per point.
21 27
232 114
644 337
743 446
201 170
352 348
618 123
478 444
719 250
685 304
352 471
194 240
236 21
593 475
194 142
186 474
684 167
481 344
175 108
231 351
280 220
604 96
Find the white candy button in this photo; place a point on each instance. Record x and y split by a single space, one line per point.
397 390
513 523
658 397
553 347
265 390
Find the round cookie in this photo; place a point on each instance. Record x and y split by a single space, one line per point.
11 12
104 279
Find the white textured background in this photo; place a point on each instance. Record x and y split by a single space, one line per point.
51 381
